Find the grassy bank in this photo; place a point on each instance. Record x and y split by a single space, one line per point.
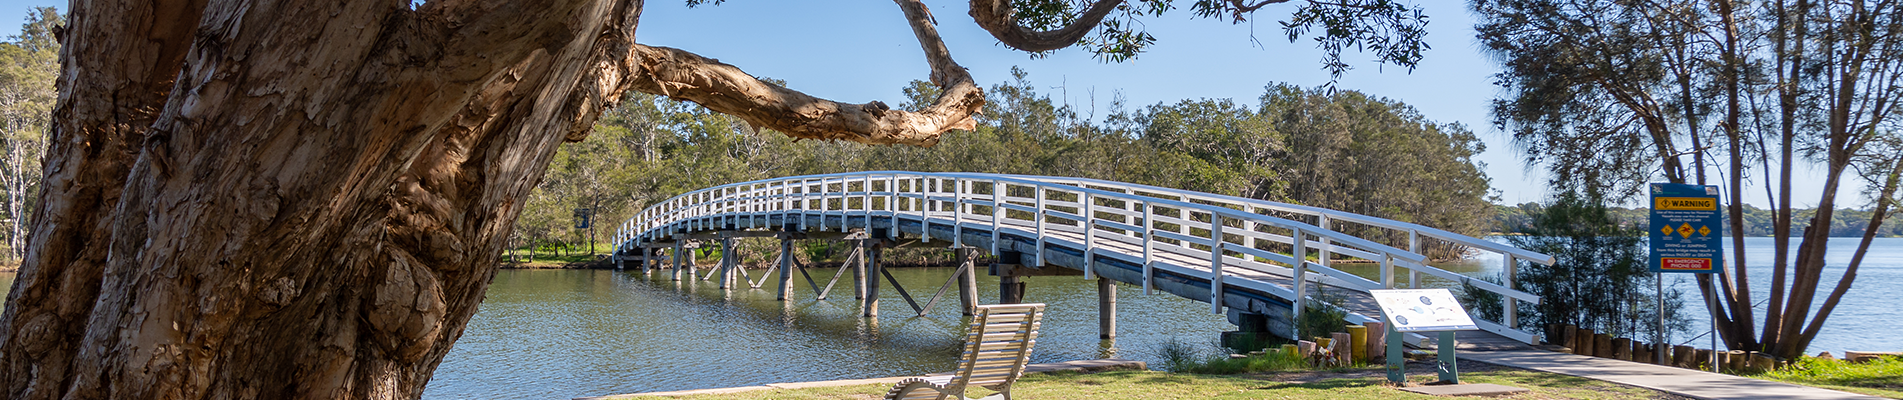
1349 384
1883 377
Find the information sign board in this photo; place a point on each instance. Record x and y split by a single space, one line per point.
1422 310
584 218
1687 230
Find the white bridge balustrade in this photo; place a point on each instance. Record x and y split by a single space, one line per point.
1252 256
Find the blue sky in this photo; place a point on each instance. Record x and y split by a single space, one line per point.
857 51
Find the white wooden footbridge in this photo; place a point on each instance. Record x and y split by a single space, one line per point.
1258 261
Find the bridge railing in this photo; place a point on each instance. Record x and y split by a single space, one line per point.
1228 235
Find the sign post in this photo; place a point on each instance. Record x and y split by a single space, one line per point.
1687 236
1422 310
585 219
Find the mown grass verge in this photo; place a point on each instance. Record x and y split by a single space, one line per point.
1883 377
1344 384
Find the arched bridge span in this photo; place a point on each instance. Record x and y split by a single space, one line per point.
1256 260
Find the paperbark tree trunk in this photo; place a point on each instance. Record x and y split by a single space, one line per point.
288 200
307 200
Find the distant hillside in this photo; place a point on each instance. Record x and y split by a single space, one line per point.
1757 221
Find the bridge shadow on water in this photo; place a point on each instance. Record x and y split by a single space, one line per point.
570 333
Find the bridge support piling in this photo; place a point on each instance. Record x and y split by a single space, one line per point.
872 280
1106 308
726 263
1010 277
693 266
1010 290
1252 331
786 268
859 270
678 258
968 284
653 259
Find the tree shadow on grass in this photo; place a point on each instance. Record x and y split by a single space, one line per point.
1543 380
1167 379
1330 384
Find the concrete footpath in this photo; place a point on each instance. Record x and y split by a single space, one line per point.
1079 365
1679 381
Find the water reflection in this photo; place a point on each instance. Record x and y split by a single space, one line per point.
543 334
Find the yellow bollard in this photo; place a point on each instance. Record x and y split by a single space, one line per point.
1357 343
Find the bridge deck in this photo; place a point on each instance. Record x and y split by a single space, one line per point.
1251 287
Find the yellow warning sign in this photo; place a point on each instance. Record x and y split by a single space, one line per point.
1704 231
1686 203
1667 230
1685 230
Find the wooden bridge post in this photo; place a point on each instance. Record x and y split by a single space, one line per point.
678 257
726 262
1215 261
648 254
647 268
1010 289
786 266
1414 245
1106 308
968 284
871 304
859 269
1010 278
1300 253
1510 315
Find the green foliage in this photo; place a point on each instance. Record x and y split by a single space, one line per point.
1391 161
1757 221
1599 279
29 64
1184 358
1319 318
1179 356
1393 31
1885 374
1271 360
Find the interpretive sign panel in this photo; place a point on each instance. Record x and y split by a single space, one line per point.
1687 230
1422 310
584 218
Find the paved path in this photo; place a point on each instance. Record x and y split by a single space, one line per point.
1679 381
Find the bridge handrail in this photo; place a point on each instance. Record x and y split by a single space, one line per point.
1436 233
780 195
1020 179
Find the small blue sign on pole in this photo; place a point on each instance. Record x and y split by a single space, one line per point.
1687 229
584 218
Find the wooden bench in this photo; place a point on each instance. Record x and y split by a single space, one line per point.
996 349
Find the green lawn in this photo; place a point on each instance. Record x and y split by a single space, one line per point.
1883 377
1320 385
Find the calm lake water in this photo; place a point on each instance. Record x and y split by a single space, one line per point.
1870 302
570 333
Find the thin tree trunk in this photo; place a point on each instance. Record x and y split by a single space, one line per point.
1738 335
1793 26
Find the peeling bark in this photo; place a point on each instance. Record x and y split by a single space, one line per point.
288 200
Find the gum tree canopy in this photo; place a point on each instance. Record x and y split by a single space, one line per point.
307 199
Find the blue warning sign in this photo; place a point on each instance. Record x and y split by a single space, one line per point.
1687 229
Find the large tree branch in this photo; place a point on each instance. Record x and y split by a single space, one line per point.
727 89
999 18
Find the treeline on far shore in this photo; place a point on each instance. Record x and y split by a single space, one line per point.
1342 150
1757 221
